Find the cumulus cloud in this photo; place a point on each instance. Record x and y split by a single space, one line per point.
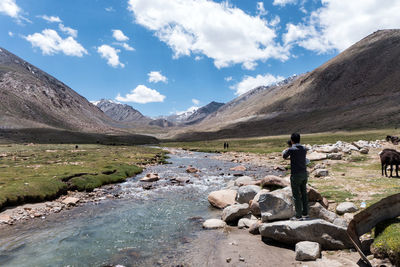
195 101
283 2
50 18
231 37
156 76
51 43
228 79
141 94
261 9
126 46
339 24
111 55
68 30
120 36
10 8
110 9
250 82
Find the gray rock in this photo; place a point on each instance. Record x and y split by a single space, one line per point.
328 235
340 222
334 156
246 223
232 214
346 207
254 228
321 173
306 251
214 224
254 205
70 201
316 210
276 205
364 150
314 156
247 193
327 149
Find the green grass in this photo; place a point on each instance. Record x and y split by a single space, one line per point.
41 172
277 143
387 240
336 193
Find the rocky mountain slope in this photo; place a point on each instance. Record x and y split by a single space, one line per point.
121 112
359 88
33 99
202 113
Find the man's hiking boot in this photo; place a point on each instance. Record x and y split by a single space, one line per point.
294 218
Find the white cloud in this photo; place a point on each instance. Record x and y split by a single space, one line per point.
284 2
142 94
197 58
10 8
110 9
111 55
127 47
228 79
261 9
195 101
230 37
50 18
120 36
339 24
11 34
250 82
51 43
156 76
68 30
275 21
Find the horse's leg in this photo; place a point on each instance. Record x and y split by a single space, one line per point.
391 170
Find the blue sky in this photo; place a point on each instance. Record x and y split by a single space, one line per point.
166 56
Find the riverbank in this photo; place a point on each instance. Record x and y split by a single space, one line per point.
35 173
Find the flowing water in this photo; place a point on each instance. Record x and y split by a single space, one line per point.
142 228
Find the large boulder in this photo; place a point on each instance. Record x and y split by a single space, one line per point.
328 235
316 210
244 180
276 205
306 251
273 182
232 214
346 207
214 224
314 156
247 193
222 198
254 205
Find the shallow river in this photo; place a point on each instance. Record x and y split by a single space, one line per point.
142 228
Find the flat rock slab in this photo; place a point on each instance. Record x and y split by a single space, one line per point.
222 198
70 201
328 235
314 156
307 251
214 224
316 210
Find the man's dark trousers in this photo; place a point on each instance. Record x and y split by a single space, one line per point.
298 183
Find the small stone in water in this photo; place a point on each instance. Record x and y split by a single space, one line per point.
228 260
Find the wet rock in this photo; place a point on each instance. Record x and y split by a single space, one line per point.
244 180
321 173
276 205
273 182
70 201
238 168
192 170
254 205
328 235
222 198
214 224
316 210
346 207
334 156
247 193
233 213
150 177
314 156
306 251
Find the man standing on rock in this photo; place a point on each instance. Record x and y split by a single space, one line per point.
298 176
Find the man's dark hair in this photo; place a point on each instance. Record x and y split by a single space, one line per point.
295 137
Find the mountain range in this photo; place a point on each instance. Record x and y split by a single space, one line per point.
358 89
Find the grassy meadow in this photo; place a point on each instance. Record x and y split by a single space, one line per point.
37 172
